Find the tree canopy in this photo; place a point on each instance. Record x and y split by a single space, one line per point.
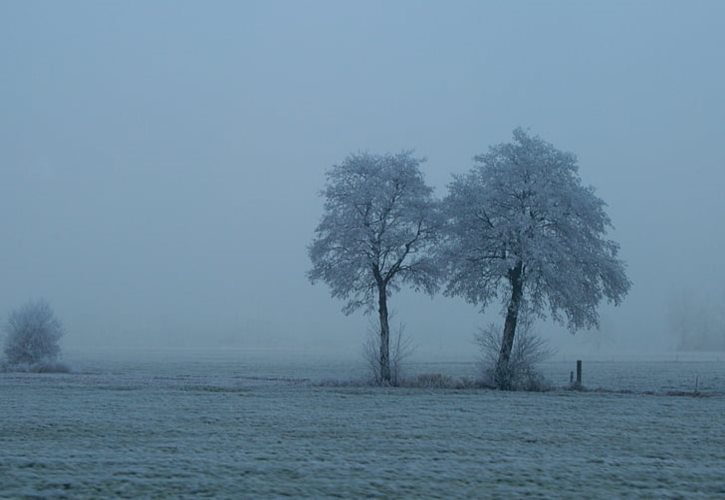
380 222
523 209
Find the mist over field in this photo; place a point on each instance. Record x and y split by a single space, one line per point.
160 162
193 194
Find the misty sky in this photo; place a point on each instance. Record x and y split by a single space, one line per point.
160 162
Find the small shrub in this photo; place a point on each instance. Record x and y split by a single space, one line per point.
522 373
439 381
431 380
400 349
33 333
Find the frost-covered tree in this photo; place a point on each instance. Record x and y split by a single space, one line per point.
379 225
33 333
522 228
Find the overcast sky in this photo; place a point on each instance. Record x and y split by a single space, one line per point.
160 162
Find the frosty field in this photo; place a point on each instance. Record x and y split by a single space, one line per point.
237 426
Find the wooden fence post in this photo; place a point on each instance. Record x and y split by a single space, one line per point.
579 372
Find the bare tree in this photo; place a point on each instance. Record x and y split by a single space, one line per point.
33 333
522 228
377 232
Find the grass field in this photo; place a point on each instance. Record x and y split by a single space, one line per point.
234 428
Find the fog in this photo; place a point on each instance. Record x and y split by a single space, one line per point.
160 162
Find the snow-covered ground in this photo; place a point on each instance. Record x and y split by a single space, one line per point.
237 425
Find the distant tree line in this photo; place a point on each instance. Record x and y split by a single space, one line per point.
697 323
519 228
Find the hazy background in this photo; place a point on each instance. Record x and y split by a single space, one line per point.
160 161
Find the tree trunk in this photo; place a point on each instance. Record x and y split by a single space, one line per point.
503 373
384 335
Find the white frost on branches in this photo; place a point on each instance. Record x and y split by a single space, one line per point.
378 231
524 204
33 333
380 222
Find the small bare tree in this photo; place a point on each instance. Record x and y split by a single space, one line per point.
521 372
33 333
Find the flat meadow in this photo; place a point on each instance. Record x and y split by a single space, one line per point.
235 426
